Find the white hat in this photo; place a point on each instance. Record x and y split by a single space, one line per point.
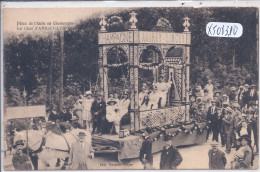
233 88
88 93
111 100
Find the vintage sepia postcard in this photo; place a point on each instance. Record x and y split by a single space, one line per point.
130 85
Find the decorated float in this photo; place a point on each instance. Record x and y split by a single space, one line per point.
136 59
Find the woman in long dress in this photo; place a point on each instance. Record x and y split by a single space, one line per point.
154 98
209 89
123 105
113 113
162 90
86 116
78 107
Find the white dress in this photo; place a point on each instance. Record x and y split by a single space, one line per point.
153 100
87 103
209 88
123 107
113 115
79 114
162 89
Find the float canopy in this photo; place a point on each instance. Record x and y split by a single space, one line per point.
25 112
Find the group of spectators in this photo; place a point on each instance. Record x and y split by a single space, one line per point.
232 120
93 113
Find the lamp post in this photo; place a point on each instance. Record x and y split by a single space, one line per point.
27 122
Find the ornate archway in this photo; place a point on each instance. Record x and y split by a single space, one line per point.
118 75
138 45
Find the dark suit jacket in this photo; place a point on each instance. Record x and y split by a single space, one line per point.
228 124
66 117
99 107
146 149
210 114
170 158
245 98
232 96
216 123
253 123
53 117
220 162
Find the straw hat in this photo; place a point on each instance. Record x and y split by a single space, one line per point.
214 143
236 105
81 133
18 142
213 101
246 85
233 89
88 93
111 100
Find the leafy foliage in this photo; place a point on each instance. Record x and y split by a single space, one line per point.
15 98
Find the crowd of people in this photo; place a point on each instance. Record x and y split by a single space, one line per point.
232 120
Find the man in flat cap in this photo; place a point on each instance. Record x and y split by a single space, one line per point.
201 113
79 153
252 93
146 156
232 95
20 160
245 98
217 98
227 128
211 112
216 126
170 156
253 120
240 95
217 158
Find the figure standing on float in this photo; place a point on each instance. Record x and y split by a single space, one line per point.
162 90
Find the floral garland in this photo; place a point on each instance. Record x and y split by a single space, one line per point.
116 65
150 66
181 129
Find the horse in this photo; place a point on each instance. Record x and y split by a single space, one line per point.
50 146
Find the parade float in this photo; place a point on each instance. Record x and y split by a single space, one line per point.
160 52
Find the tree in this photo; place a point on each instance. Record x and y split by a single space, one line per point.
15 98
